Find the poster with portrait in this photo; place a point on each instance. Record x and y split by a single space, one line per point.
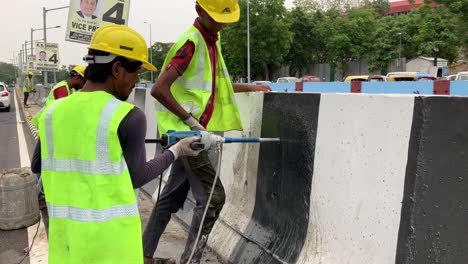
86 16
31 63
47 56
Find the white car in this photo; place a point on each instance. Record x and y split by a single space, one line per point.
5 97
462 76
288 80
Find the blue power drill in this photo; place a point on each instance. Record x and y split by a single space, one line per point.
207 139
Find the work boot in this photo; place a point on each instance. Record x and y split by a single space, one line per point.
149 260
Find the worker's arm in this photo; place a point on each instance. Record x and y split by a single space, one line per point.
132 133
244 87
162 92
60 92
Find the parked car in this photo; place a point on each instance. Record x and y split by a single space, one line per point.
411 77
5 97
260 82
399 73
451 77
310 78
365 78
462 76
288 80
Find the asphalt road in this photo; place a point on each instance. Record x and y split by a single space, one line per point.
12 243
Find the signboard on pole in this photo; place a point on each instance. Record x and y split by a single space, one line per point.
86 16
47 56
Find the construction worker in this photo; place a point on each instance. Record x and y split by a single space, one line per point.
195 92
28 88
92 156
75 80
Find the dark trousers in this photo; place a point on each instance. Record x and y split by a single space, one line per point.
26 95
197 174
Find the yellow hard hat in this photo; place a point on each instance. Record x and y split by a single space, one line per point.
221 11
123 41
80 69
30 73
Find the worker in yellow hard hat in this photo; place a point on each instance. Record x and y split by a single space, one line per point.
194 92
28 88
75 80
92 156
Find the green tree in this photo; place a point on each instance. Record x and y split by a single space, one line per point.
270 39
7 73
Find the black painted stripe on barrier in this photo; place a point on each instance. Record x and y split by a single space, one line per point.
278 228
434 215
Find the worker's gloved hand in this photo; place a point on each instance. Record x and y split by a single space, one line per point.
209 140
194 124
182 148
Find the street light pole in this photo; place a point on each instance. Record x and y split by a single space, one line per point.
248 41
150 51
44 12
399 54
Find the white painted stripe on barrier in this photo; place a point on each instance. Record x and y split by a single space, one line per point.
359 172
239 177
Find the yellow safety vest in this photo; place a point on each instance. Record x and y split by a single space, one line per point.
50 99
28 85
193 89
93 212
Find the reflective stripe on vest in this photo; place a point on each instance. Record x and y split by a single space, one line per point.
92 215
102 164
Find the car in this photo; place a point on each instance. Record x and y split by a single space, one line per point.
260 82
365 78
451 77
462 76
411 77
399 73
310 78
288 80
5 97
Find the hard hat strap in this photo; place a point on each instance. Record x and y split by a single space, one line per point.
99 59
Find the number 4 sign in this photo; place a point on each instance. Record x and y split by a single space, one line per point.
85 17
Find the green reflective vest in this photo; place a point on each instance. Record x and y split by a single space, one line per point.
28 85
93 212
49 100
193 89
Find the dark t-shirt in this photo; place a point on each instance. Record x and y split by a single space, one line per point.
131 132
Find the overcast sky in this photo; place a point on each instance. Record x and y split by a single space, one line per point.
168 19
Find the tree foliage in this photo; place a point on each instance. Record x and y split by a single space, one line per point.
7 73
270 39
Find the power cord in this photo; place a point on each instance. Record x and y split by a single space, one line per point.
220 155
28 249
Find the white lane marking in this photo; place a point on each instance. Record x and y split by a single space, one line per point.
38 253
23 150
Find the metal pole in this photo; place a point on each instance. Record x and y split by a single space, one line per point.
151 53
399 54
44 73
248 41
26 49
32 41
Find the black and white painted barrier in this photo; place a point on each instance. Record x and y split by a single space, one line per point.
356 179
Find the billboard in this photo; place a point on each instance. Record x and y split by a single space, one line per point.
86 16
31 63
47 56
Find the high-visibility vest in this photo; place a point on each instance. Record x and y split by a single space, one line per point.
49 100
192 90
28 85
93 212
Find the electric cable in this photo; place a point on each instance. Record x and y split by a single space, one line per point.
32 242
220 155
